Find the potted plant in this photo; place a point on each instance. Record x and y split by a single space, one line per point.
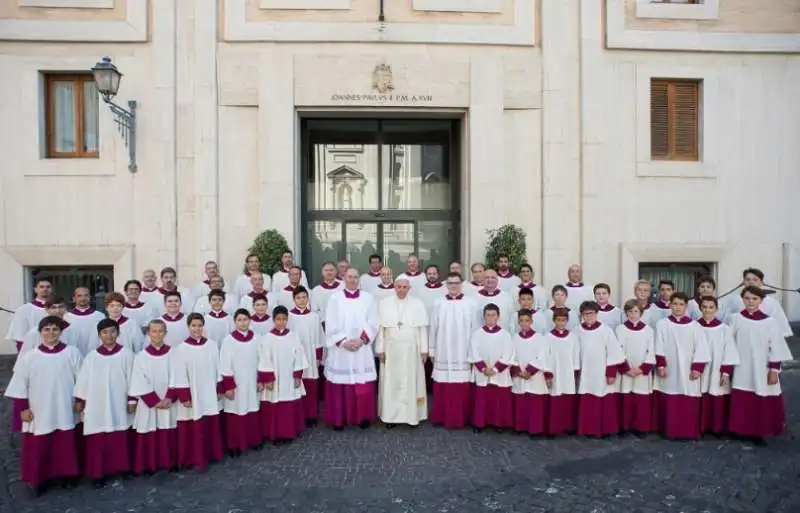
508 239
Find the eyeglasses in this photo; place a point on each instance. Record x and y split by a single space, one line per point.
453 283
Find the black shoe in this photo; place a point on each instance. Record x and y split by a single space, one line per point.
70 482
390 426
148 473
477 430
498 430
175 469
98 483
364 425
758 442
311 423
127 475
338 428
38 491
259 447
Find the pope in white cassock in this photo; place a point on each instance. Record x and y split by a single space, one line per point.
351 324
402 348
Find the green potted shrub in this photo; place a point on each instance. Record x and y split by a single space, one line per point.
269 245
508 239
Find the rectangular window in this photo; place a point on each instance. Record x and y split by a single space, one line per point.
72 114
675 119
683 275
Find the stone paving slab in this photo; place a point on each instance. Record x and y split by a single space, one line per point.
427 469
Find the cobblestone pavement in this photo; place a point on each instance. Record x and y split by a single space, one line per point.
432 470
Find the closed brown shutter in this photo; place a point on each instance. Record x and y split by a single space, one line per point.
674 119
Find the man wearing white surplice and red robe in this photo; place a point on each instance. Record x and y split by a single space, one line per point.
351 324
27 316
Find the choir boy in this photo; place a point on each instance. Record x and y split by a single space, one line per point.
578 290
281 277
169 283
173 318
55 306
608 314
757 407
559 299
307 325
258 289
385 287
491 294
130 334
526 282
230 300
281 362
285 296
433 290
244 284
41 387
135 309
219 323
705 286
413 274
83 319
195 384
211 270
565 363
341 269
663 306
155 421
370 279
531 377
716 380
681 358
636 382
538 317
769 306
238 365
351 325
643 292
27 316
261 321
452 323
478 272
322 292
601 357
507 280
491 356
102 394
150 292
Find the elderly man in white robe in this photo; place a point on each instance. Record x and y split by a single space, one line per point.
351 324
402 348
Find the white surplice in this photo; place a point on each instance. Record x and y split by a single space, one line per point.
46 378
682 345
722 352
203 305
504 301
540 296
68 336
693 311
402 338
238 361
759 341
657 311
369 281
242 286
471 288
577 293
508 282
84 323
246 301
152 297
261 325
150 375
350 315
285 296
495 349
282 355
600 349
130 336
321 295
539 322
639 348
187 300
103 383
565 359
195 366
415 280
381 291
307 326
573 319
26 318
280 279
453 321
610 316
218 325
177 329
769 306
141 313
531 354
430 294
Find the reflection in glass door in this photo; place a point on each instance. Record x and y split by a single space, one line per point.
380 186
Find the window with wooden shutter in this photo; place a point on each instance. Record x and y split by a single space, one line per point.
674 119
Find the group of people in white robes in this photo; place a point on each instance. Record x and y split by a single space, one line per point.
252 363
